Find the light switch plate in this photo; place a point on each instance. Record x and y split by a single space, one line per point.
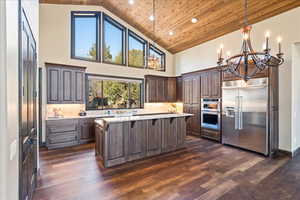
13 149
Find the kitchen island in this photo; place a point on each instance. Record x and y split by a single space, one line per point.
123 139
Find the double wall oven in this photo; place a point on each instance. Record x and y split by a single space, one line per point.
210 113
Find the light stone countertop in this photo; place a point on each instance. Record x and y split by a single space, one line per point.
143 117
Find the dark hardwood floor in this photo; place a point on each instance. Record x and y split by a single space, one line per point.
204 170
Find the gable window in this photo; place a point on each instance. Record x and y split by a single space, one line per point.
85 35
156 59
136 50
106 92
113 41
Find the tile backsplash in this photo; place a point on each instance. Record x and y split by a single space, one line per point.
74 109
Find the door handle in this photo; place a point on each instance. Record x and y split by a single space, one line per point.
236 113
241 113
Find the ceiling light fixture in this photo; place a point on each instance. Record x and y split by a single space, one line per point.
194 20
247 56
131 2
171 33
151 18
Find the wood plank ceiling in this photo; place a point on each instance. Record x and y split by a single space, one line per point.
216 17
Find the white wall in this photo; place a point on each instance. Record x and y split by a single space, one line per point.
288 26
9 111
295 96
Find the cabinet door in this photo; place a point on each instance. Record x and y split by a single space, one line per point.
169 134
195 120
67 87
179 89
87 130
205 84
171 90
181 132
162 89
151 90
154 137
195 84
53 85
137 139
187 90
187 109
79 89
215 84
116 140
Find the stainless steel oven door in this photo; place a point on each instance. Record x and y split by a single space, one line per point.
210 105
210 120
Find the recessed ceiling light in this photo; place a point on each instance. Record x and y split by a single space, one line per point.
194 20
151 18
171 33
131 2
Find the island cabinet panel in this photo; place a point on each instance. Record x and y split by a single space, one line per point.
87 130
137 134
181 131
169 139
116 143
154 137
61 133
65 84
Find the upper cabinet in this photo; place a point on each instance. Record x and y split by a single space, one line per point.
191 88
160 89
228 76
65 84
211 84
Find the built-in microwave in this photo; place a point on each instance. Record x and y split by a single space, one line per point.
211 105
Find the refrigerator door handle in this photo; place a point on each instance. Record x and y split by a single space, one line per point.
236 113
241 112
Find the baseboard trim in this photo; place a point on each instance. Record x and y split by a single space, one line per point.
289 153
296 152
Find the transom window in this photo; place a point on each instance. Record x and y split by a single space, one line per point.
156 59
136 50
104 92
85 35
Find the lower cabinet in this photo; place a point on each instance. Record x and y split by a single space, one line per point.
194 123
137 139
211 134
87 130
61 133
120 142
154 134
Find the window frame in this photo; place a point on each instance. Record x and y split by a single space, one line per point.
142 88
116 24
163 60
145 47
87 14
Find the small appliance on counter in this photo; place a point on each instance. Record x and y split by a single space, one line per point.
82 113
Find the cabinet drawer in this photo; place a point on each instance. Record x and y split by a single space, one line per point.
59 126
63 138
212 134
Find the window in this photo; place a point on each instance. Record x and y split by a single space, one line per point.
113 93
85 35
113 45
136 50
156 59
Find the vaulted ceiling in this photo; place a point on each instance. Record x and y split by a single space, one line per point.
215 17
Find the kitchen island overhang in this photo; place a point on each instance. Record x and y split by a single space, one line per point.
123 139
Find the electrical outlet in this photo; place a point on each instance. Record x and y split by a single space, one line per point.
13 149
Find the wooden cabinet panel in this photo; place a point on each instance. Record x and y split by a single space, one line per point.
211 134
65 84
154 136
161 90
181 132
137 139
179 89
205 85
187 90
195 120
195 84
53 85
228 76
169 139
171 90
79 87
151 90
215 84
87 130
115 149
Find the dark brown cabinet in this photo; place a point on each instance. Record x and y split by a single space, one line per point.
154 134
169 139
137 140
193 124
87 130
181 131
65 84
179 89
211 84
61 133
228 76
160 89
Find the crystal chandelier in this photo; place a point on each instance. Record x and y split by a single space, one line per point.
239 65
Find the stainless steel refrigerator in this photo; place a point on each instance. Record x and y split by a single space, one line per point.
245 114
